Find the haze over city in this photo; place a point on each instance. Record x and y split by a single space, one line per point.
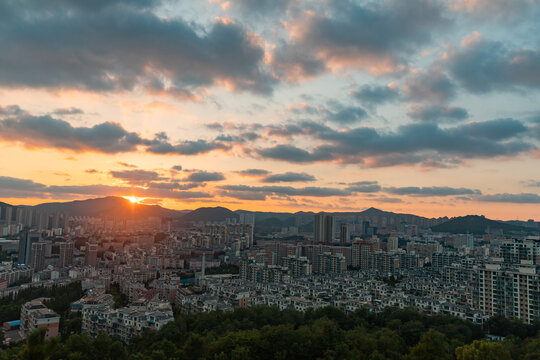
422 107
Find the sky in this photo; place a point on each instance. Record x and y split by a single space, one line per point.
429 107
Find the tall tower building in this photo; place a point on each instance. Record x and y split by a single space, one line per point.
393 243
26 239
8 214
91 254
344 234
66 254
324 228
38 256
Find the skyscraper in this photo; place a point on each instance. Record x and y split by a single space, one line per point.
66 254
324 228
8 214
344 234
38 256
26 239
91 254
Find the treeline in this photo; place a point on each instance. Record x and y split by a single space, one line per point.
60 298
267 333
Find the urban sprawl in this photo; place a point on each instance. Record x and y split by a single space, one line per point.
350 262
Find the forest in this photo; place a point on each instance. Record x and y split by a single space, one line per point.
327 333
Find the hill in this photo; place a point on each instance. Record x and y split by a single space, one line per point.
108 207
475 224
209 214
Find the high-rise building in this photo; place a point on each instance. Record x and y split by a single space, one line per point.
393 243
26 239
344 234
513 291
91 254
38 256
66 254
8 214
324 228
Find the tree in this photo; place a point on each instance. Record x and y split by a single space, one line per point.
432 345
483 350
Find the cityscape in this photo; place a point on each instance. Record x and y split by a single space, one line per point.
269 179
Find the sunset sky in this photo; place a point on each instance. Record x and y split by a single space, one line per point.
417 106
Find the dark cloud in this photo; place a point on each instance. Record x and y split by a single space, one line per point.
292 153
431 85
346 115
364 187
245 195
161 145
437 113
481 66
45 131
288 177
253 172
91 171
124 164
68 111
204 176
424 143
374 35
288 190
372 95
123 46
524 198
500 129
136 177
430 191
177 168
261 8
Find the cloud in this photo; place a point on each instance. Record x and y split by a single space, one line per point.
260 8
45 131
288 177
68 111
204 176
91 171
364 187
481 66
523 198
124 46
495 10
429 85
136 177
124 164
23 188
373 36
177 168
437 113
430 191
253 172
288 190
245 195
346 115
108 137
373 95
426 144
161 145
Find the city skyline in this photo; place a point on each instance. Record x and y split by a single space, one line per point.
422 107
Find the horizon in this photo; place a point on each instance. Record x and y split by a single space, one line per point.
274 106
291 212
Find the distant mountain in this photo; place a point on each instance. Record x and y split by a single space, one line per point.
479 225
108 207
209 214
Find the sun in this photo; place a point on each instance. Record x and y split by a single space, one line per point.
134 199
